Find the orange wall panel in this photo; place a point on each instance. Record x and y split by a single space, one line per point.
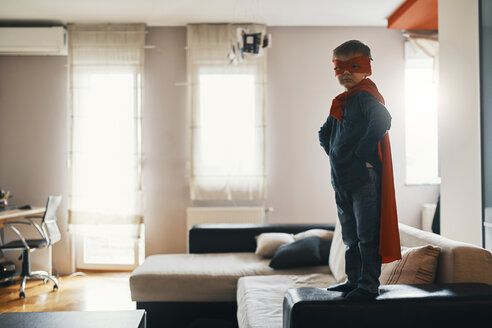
414 15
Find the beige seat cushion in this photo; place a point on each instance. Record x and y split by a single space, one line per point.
200 277
260 298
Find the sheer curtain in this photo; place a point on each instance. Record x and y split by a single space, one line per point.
106 64
428 43
227 124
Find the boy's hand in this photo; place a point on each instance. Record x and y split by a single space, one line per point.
368 164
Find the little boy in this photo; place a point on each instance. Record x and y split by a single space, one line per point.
355 138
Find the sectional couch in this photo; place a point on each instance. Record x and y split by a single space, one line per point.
199 288
221 282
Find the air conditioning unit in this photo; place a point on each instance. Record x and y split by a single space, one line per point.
33 41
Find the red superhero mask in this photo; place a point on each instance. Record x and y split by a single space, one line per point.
359 64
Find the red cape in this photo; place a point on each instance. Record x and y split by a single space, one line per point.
389 236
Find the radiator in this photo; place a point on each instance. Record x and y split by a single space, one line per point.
236 214
428 211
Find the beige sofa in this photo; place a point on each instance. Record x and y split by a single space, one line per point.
224 280
260 298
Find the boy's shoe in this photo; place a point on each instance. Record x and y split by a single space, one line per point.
343 287
360 294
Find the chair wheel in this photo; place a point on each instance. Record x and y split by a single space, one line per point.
55 287
22 295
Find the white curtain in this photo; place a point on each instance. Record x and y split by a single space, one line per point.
106 65
227 117
428 43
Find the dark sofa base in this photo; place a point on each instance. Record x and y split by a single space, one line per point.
190 314
444 305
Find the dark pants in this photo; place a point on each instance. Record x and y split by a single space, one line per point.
359 215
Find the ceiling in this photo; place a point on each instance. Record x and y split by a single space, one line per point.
181 12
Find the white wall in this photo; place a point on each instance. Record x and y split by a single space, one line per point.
34 140
164 136
459 118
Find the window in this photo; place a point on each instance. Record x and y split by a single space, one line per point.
105 140
106 172
106 192
227 119
227 127
108 247
420 118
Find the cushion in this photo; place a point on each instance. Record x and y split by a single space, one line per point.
417 266
303 252
260 298
322 233
200 277
337 255
268 242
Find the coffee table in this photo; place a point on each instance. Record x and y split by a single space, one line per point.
75 319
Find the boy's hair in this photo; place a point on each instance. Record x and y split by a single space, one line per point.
352 47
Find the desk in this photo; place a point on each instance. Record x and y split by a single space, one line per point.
10 214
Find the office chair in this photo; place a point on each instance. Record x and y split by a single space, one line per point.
50 234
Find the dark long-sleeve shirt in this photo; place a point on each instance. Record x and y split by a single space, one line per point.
353 142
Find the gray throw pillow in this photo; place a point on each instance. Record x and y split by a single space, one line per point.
306 251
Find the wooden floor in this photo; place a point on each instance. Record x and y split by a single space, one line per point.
93 292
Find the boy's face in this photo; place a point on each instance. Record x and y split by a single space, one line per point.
349 79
